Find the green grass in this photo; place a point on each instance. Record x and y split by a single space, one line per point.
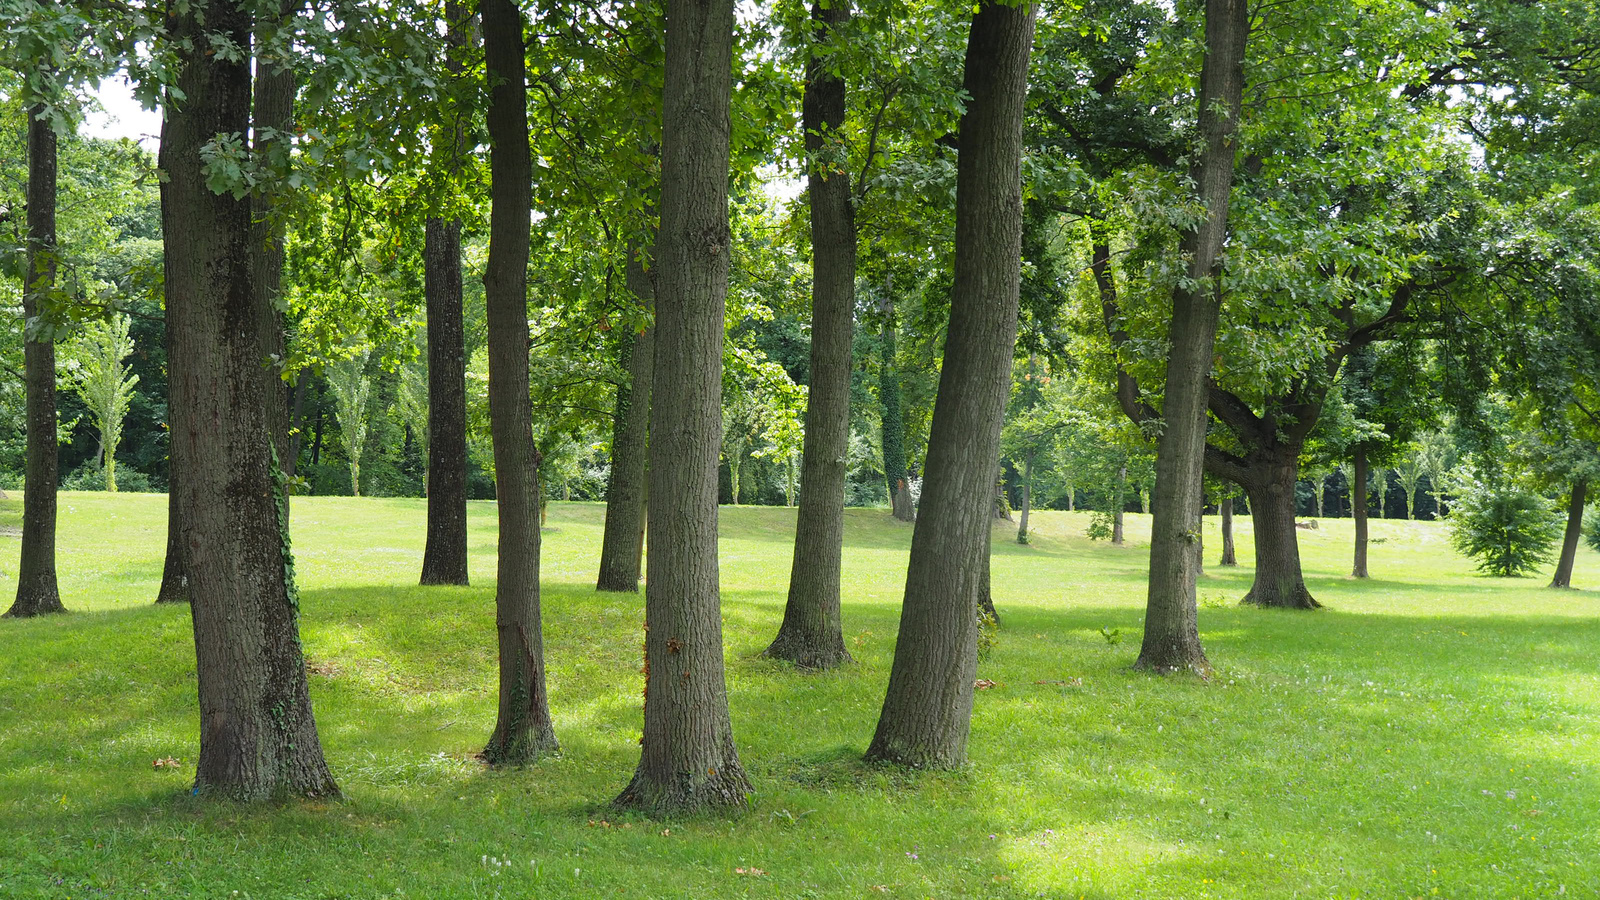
1430 734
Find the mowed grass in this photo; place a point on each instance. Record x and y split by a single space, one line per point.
1430 734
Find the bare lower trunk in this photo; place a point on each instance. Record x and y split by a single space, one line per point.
687 758
1574 534
1358 508
522 730
894 425
174 581
622 547
1027 497
927 710
812 634
1118 504
444 559
1229 558
1171 629
1279 580
258 737
37 591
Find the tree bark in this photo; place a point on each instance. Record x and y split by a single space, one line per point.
272 120
895 470
1573 535
1358 508
174 580
522 730
37 590
1171 633
444 559
927 710
1279 581
687 756
1027 497
258 737
1229 557
627 493
812 633
1119 503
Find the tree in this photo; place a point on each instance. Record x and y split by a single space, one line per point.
628 490
1507 528
687 756
352 388
1409 474
97 373
258 737
522 728
812 633
928 706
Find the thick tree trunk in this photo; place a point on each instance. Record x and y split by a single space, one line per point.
1279 581
522 730
272 121
1171 632
444 559
258 738
622 548
894 423
1229 557
1358 508
1574 534
927 711
1027 497
812 634
37 591
687 756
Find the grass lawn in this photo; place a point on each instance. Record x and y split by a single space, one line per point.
1431 733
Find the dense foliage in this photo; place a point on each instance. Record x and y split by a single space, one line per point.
1507 528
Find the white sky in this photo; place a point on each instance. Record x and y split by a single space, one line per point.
123 117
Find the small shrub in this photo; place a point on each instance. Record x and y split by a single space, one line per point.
1507 529
90 477
1101 525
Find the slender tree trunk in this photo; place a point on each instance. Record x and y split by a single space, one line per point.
522 731
1279 580
622 549
927 711
37 591
894 423
1171 632
1574 533
1321 483
687 756
1119 504
986 608
812 633
444 559
1027 497
1229 557
1358 508
258 737
1071 499
174 581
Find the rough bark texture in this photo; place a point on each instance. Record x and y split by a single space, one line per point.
1279 582
258 738
444 560
927 710
1229 557
272 120
1358 508
812 633
1574 534
37 591
687 756
174 580
1171 629
893 423
628 491
522 730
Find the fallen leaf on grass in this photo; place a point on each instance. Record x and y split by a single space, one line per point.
167 763
743 871
983 684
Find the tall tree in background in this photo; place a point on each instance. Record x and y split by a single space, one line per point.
927 711
628 491
98 374
258 738
687 756
1171 632
812 634
444 559
523 730
37 591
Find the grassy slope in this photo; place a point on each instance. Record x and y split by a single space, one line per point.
1430 734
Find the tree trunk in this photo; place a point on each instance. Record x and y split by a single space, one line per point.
622 548
174 581
1358 508
1171 632
812 634
1321 482
1229 557
272 121
258 737
444 560
687 756
1027 497
522 731
37 591
894 424
927 711
1119 504
1279 581
1574 533
986 610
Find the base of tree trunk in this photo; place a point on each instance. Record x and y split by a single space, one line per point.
1296 597
813 652
173 590
619 584
727 788
1170 660
35 601
529 746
